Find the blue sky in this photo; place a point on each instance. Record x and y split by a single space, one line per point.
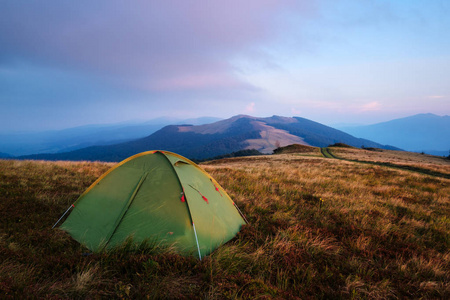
69 63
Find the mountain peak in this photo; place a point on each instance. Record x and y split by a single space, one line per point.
241 116
213 128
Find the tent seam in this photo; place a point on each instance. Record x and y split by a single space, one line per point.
112 169
214 182
125 209
187 204
199 168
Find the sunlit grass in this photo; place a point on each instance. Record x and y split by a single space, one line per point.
319 227
434 163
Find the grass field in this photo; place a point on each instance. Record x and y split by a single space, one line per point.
319 228
401 158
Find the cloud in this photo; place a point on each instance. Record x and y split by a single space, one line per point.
143 40
296 112
115 60
195 81
371 106
165 54
250 108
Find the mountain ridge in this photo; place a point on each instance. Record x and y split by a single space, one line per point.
222 137
70 139
426 132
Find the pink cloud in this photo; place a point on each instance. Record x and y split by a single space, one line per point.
195 81
250 107
296 111
372 106
146 39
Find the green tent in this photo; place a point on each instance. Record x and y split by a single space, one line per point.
155 196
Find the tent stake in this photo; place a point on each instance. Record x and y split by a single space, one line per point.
63 215
198 247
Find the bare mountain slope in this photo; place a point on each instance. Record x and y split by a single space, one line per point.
269 137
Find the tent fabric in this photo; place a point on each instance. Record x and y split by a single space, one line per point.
155 196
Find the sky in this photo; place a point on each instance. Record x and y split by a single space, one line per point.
70 63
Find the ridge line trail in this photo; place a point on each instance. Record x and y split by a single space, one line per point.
326 152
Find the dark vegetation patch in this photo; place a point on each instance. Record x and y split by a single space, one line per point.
372 149
294 148
341 145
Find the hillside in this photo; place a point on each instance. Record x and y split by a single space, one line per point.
210 140
65 140
73 138
319 228
5 155
427 133
407 160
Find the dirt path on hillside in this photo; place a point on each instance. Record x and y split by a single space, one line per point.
326 152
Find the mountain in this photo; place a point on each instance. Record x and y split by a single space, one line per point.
210 140
319 135
58 141
5 155
427 133
198 121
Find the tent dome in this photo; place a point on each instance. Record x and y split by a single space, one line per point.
158 196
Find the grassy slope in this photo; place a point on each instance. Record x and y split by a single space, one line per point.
399 158
320 227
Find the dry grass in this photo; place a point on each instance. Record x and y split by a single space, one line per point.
425 161
319 228
371 217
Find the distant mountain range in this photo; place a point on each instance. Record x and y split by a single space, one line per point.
219 138
427 133
58 141
5 155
